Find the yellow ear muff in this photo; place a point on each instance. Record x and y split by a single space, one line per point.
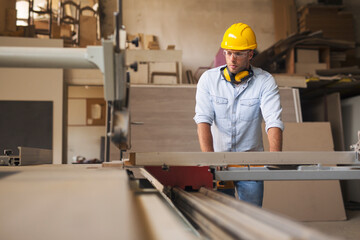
226 75
238 77
241 75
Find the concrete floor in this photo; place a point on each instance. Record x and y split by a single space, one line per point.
349 229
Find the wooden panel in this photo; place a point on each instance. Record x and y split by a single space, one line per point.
86 92
83 76
306 136
167 115
67 202
231 158
287 96
153 56
290 80
306 200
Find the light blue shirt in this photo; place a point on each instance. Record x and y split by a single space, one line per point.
235 113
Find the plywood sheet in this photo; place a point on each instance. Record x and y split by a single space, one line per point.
289 98
67 202
306 200
164 117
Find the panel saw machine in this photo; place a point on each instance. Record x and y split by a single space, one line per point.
170 173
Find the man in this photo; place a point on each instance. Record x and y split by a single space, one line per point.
230 101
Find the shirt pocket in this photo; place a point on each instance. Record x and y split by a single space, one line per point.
220 106
249 109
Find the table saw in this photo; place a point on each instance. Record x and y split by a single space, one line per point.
146 200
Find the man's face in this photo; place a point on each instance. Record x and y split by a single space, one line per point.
238 61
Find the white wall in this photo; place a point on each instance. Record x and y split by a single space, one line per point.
84 141
27 84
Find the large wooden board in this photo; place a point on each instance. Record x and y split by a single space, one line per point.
306 200
80 202
165 115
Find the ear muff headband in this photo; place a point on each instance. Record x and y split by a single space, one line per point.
239 77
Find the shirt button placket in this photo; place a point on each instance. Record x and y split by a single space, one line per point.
233 127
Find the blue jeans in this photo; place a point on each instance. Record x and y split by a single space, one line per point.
248 191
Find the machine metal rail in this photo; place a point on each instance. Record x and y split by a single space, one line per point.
302 173
219 216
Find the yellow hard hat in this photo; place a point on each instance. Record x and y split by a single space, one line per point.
239 37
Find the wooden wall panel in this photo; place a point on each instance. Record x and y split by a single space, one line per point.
167 115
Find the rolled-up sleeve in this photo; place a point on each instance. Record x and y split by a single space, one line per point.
270 104
204 111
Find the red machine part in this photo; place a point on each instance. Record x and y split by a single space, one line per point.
184 177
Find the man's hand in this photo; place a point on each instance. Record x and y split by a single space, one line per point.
275 139
205 137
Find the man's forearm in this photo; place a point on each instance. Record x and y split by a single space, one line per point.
275 139
205 137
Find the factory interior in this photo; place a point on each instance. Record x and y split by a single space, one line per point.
97 131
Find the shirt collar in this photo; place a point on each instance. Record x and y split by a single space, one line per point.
222 77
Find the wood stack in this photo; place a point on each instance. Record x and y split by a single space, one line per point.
333 22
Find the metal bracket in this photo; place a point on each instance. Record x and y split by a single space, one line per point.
103 58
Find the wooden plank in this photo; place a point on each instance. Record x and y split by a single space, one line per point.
166 225
231 158
290 80
290 112
314 200
153 56
156 56
67 202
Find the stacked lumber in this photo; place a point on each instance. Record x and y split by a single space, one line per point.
330 19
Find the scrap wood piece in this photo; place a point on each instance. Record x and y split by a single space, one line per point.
290 80
354 70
